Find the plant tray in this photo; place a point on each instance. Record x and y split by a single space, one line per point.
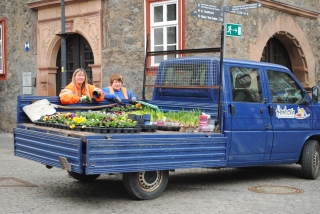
149 128
169 128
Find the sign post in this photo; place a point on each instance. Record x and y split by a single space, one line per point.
218 14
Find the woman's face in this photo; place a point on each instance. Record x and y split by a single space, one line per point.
80 78
116 85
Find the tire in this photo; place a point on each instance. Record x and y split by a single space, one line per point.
83 177
146 185
310 160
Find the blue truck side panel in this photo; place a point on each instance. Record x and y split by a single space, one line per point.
46 148
155 153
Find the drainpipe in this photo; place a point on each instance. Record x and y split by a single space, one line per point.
63 47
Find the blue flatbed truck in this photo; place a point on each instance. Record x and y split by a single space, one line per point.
264 116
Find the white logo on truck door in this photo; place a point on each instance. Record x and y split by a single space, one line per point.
291 113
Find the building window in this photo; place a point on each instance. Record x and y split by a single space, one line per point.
165 27
2 48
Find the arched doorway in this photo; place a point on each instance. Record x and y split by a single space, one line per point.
79 55
288 32
275 52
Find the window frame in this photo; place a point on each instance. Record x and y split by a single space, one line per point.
180 30
3 69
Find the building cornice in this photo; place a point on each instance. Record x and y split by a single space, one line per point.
275 5
50 3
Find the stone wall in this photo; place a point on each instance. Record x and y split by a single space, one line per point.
123 51
21 27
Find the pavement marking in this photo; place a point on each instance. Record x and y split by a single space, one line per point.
271 189
14 182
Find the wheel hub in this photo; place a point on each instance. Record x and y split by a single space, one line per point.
149 181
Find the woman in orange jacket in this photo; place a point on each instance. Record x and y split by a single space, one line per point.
79 91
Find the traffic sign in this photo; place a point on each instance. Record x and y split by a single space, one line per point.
207 16
208 12
213 12
242 7
209 7
239 12
233 30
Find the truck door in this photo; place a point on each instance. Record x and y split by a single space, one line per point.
291 122
249 115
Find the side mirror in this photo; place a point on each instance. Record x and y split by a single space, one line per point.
315 94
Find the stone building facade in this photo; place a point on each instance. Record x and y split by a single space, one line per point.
115 34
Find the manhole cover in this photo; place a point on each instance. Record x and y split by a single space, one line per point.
14 182
269 189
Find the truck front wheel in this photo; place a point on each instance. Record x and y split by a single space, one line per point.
310 160
146 185
83 177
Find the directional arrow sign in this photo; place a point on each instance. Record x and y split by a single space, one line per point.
208 12
216 13
234 30
238 12
209 7
242 7
207 16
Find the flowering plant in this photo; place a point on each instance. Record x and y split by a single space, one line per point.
77 121
125 122
88 98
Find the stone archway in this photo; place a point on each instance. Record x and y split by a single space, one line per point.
289 33
83 18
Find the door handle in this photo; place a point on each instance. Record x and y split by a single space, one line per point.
232 110
270 110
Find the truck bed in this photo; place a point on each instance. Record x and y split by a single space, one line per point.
118 153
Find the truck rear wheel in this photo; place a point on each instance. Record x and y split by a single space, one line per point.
310 160
83 177
146 185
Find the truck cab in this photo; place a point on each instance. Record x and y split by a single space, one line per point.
265 112
268 115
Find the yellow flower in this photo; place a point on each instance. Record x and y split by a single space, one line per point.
72 126
79 120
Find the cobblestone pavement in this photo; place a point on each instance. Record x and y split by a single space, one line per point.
188 191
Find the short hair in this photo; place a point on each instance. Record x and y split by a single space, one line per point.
117 77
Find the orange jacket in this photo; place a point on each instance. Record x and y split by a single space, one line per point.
71 93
